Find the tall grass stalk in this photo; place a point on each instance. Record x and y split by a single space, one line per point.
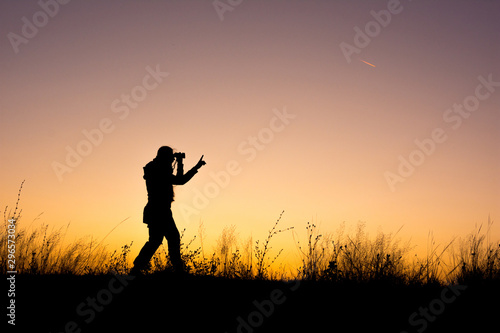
476 257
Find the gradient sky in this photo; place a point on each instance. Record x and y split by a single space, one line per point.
226 81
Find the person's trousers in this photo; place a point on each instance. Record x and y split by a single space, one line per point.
161 224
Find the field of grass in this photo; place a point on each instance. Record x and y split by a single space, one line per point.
341 257
361 281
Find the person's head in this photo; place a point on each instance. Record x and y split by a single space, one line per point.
165 154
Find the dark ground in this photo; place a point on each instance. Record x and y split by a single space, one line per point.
165 303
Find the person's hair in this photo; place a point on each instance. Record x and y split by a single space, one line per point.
165 151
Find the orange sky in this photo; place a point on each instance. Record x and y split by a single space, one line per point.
288 116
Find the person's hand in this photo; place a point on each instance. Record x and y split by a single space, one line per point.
200 163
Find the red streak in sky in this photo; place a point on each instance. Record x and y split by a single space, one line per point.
368 63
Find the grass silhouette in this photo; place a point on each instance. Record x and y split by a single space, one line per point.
353 257
344 257
348 275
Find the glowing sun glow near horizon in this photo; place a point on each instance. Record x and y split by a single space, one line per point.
272 94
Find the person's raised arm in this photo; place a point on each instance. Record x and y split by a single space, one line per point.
180 167
181 179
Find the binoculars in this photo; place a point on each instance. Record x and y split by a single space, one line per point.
180 155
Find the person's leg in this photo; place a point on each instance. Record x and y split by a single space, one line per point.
174 244
149 249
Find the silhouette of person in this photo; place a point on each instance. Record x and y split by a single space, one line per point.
157 213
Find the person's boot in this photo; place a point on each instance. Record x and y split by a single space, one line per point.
179 268
136 271
139 266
